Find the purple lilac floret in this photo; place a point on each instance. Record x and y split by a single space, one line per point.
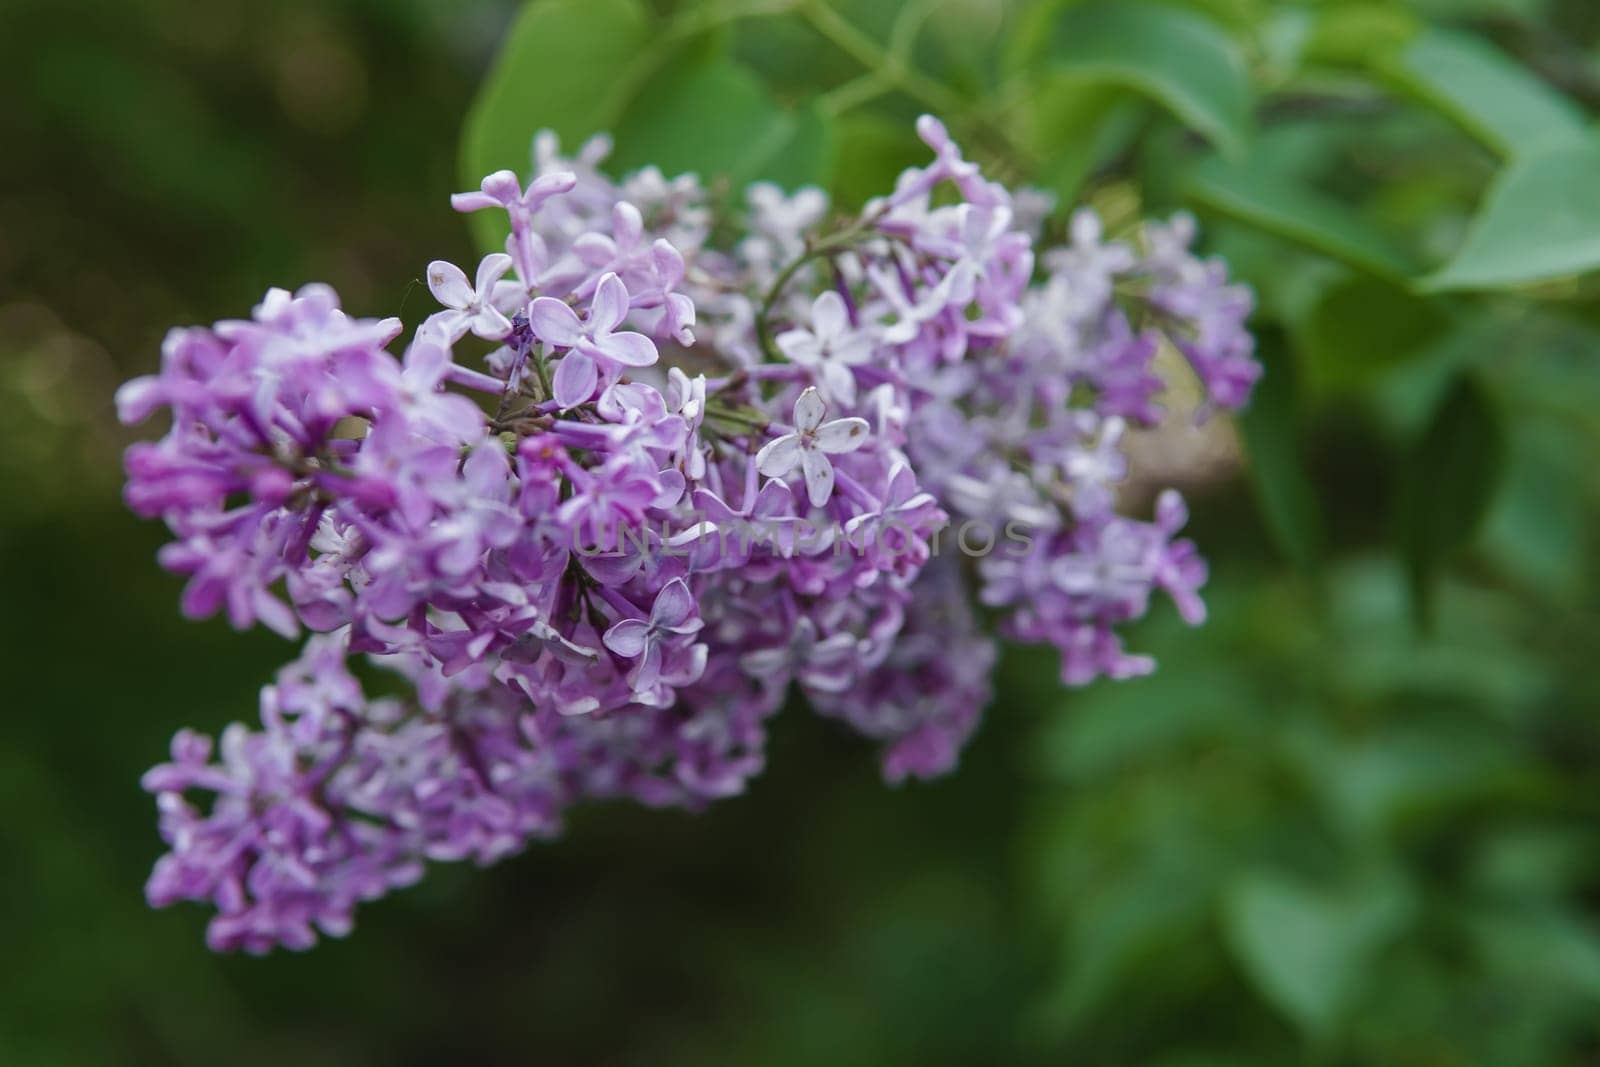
632 485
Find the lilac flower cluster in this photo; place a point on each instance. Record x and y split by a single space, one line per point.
683 479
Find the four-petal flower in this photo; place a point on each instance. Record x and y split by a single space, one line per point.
673 613
504 190
809 446
594 344
830 348
470 305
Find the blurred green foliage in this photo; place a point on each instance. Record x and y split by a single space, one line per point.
1355 819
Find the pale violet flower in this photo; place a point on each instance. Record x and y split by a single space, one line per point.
809 446
830 348
470 305
826 665
594 344
503 189
640 639
954 289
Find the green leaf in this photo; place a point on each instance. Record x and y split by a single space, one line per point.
1116 728
1369 784
1181 60
1363 328
1074 124
1539 221
1149 909
1263 198
808 154
872 150
1550 947
1356 34
1538 529
715 118
1271 429
1493 98
1448 480
1307 950
567 66
1407 397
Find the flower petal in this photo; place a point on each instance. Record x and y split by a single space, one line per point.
773 501
547 185
575 378
490 324
829 316
628 348
933 133
627 224
809 410
610 305
902 485
427 362
778 457
554 322
853 350
138 398
840 380
673 605
491 269
474 201
594 249
503 185
648 672
449 285
766 662
842 435
628 638
819 476
445 327
673 485
668 262
799 346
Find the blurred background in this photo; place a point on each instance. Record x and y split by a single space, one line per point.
1355 819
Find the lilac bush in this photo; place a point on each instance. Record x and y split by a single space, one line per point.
633 484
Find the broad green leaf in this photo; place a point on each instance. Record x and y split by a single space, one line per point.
1363 328
794 61
1357 34
1149 908
1539 221
1369 784
1308 950
1493 98
1468 663
567 66
872 150
1481 9
1074 124
807 155
1181 60
1447 483
714 117
1279 205
1532 862
1537 530
1548 946
960 35
1028 38
1271 429
1407 397
1146 719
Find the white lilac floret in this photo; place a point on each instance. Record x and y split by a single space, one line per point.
633 484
